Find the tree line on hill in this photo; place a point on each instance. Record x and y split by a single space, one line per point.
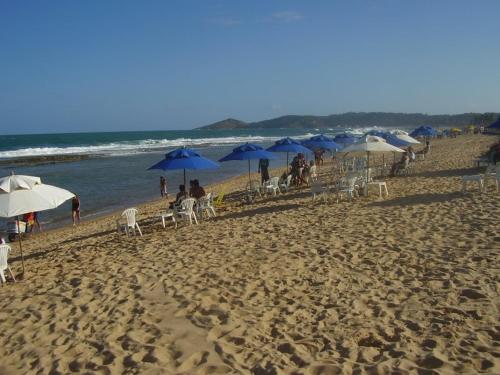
359 119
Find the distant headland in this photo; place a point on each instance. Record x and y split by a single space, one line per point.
358 119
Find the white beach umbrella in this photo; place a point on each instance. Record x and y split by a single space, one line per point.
405 137
368 144
23 194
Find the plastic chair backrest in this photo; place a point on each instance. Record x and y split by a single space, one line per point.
220 198
274 182
4 253
130 214
288 180
255 185
317 187
351 181
187 205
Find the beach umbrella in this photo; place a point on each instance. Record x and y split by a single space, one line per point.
345 139
377 133
288 145
369 144
493 128
405 137
394 140
248 151
24 194
184 158
321 142
424 131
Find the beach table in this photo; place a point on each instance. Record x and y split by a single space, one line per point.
481 162
166 215
382 187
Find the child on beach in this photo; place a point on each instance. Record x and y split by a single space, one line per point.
75 210
163 187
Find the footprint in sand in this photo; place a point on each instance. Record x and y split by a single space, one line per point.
194 360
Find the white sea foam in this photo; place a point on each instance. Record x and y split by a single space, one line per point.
134 147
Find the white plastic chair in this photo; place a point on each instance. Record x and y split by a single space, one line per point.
253 187
186 210
4 266
286 185
205 204
130 214
318 188
473 178
273 185
349 186
492 173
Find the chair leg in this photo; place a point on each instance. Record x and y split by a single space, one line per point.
139 229
2 277
12 275
195 219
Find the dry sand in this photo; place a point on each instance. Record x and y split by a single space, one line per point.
408 284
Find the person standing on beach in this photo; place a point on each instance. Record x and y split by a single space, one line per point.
37 221
75 210
264 170
163 187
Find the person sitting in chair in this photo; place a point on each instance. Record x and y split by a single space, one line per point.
196 190
181 195
401 165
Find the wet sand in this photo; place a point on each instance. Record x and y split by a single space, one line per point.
407 284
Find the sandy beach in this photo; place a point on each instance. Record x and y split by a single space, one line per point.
408 284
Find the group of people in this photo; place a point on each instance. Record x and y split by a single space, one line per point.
301 171
195 191
409 156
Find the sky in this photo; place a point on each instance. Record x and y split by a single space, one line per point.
103 65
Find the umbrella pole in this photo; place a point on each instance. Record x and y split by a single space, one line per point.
367 172
287 163
383 164
249 179
184 177
20 242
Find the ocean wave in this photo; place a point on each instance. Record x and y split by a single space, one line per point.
135 147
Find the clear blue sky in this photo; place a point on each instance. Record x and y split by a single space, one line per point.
136 65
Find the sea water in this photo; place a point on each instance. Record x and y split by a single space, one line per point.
116 174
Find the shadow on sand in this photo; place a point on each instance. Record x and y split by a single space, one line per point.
258 211
449 173
427 198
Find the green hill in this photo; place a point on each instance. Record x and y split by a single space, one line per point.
357 119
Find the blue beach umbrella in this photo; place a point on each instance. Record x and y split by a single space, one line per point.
395 141
184 158
345 139
424 131
288 145
248 151
494 128
321 142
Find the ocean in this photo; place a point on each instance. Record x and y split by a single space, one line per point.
115 175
